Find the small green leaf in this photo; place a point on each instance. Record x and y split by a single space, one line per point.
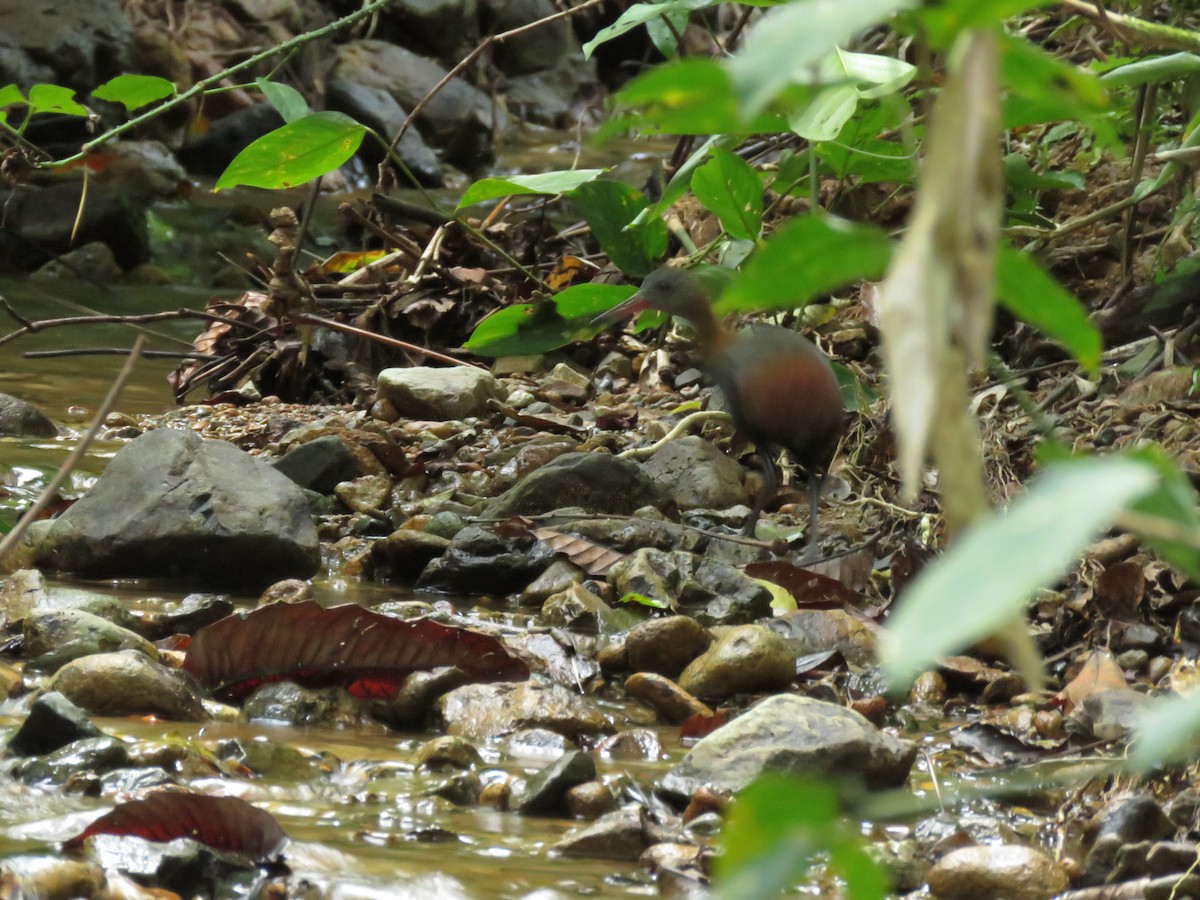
807 257
528 328
295 153
549 183
989 574
635 245
639 14
1173 501
643 600
53 98
135 91
1025 290
288 102
730 189
1019 174
824 118
1156 69
10 95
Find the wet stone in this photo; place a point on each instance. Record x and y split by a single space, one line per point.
320 464
128 683
191 614
414 703
53 722
561 575
634 744
90 756
404 554
544 794
595 482
697 475
50 876
1129 820
812 631
367 494
537 743
743 660
590 800
793 735
479 711
424 392
287 703
55 637
479 561
19 594
576 608
1003 872
665 645
615 835
670 700
448 752
21 419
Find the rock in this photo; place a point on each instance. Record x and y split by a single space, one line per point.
590 800
54 637
447 27
403 554
75 45
545 793
743 660
414 702
561 575
1110 715
537 743
812 631
677 578
187 616
128 683
697 475
665 645
515 463
19 593
617 835
90 756
378 110
173 504
287 703
211 152
479 561
635 744
671 701
423 392
594 482
480 711
50 877
448 751
793 735
320 464
106 606
368 494
546 47
94 261
1123 823
997 872
53 722
40 223
459 119
21 419
576 608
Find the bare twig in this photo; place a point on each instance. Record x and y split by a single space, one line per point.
29 327
69 464
383 339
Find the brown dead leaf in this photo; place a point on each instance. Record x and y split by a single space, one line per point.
1119 590
810 589
592 558
1099 672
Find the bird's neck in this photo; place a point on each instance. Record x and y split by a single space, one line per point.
711 335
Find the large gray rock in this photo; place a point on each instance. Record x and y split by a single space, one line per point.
792 735
172 504
82 44
425 392
21 419
127 684
594 482
697 475
378 110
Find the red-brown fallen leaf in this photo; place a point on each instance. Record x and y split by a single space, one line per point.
1119 590
810 590
592 558
1099 672
224 823
369 654
699 726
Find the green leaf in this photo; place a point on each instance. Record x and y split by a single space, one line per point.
1156 69
731 190
550 183
852 77
1019 174
943 23
288 102
135 91
1167 732
53 98
528 328
804 259
1173 501
10 95
295 153
640 14
1025 290
1043 89
643 600
988 575
775 828
610 208
784 45
824 118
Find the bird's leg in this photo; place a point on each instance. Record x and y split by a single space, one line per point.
816 484
769 489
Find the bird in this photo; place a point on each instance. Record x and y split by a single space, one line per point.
779 388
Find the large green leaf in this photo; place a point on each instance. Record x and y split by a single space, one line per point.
731 190
135 91
53 98
529 328
807 257
783 46
1174 501
1167 732
776 826
1156 69
852 77
610 208
1025 290
295 153
1041 88
940 25
548 183
990 573
640 14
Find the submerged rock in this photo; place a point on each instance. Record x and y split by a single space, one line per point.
480 711
793 735
1004 872
173 504
53 722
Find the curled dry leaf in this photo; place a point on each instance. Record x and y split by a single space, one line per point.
369 654
592 558
1099 673
224 823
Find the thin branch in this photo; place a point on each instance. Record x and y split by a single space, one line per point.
29 327
64 471
382 339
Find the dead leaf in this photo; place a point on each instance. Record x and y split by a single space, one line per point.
1099 672
592 558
